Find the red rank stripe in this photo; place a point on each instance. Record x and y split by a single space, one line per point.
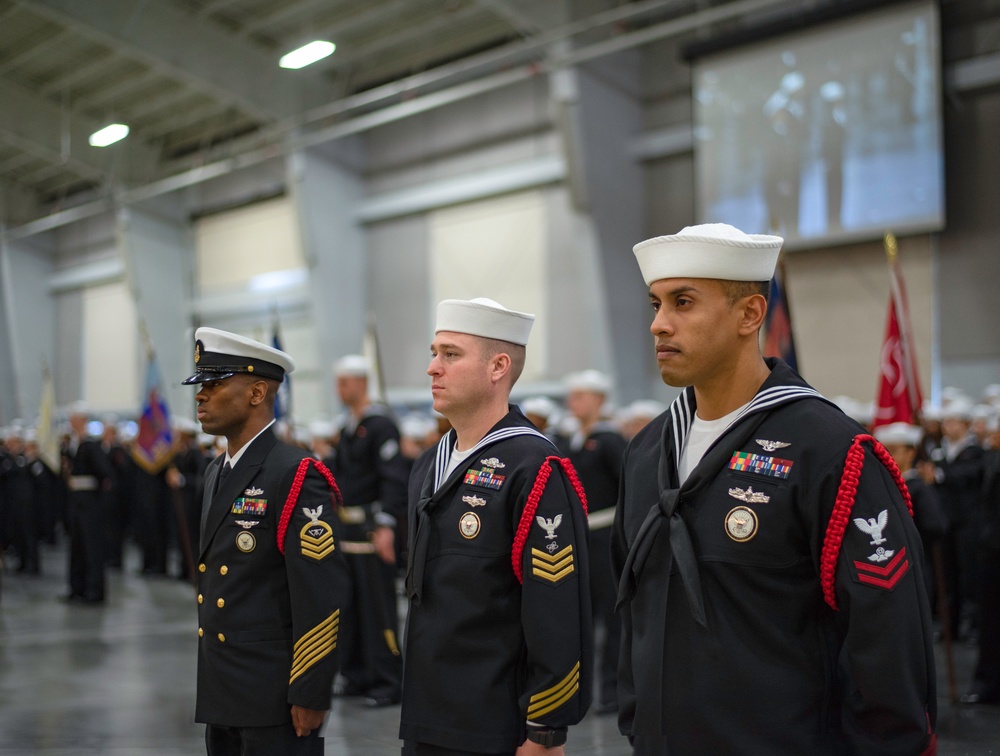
880 576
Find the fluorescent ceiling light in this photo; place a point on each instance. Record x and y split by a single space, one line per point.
307 54
276 280
109 135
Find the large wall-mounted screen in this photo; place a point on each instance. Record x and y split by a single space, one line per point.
828 135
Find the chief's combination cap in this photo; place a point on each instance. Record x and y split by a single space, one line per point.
484 317
220 354
898 433
588 380
711 250
353 365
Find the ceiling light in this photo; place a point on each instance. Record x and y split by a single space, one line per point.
109 135
307 54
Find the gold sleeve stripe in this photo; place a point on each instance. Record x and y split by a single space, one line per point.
314 645
552 567
318 553
535 562
551 699
552 558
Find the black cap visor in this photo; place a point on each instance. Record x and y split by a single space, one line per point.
208 374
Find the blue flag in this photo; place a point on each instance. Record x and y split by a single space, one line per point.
778 338
283 401
152 450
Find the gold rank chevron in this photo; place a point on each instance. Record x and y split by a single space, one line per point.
542 703
552 567
317 547
314 645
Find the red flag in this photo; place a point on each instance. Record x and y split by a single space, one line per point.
898 399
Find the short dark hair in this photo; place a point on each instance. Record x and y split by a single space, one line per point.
490 348
737 290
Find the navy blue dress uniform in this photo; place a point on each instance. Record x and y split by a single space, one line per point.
492 644
597 457
271 577
22 508
372 476
771 586
986 677
959 475
89 475
731 648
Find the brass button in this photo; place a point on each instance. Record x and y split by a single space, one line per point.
200 598
222 638
221 603
200 632
202 567
223 570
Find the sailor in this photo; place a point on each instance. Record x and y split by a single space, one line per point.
771 585
499 632
271 578
595 448
372 476
88 474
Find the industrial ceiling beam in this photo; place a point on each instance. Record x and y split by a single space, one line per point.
204 55
40 127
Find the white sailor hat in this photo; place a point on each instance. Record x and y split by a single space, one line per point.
711 250
588 380
645 408
485 318
416 426
959 408
220 354
323 429
353 365
898 433
541 406
185 425
79 407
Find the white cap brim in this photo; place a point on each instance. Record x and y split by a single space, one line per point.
711 250
485 318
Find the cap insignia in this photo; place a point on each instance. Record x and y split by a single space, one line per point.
197 352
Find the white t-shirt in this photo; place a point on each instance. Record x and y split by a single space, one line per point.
457 458
702 435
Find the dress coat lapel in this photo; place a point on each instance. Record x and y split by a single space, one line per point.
242 475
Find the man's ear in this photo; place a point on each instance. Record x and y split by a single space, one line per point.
753 311
258 392
499 367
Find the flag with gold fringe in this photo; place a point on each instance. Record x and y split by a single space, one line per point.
152 450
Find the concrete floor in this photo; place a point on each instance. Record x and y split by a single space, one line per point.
119 679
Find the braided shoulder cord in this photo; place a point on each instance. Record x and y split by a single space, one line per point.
528 515
574 481
846 494
296 489
531 506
